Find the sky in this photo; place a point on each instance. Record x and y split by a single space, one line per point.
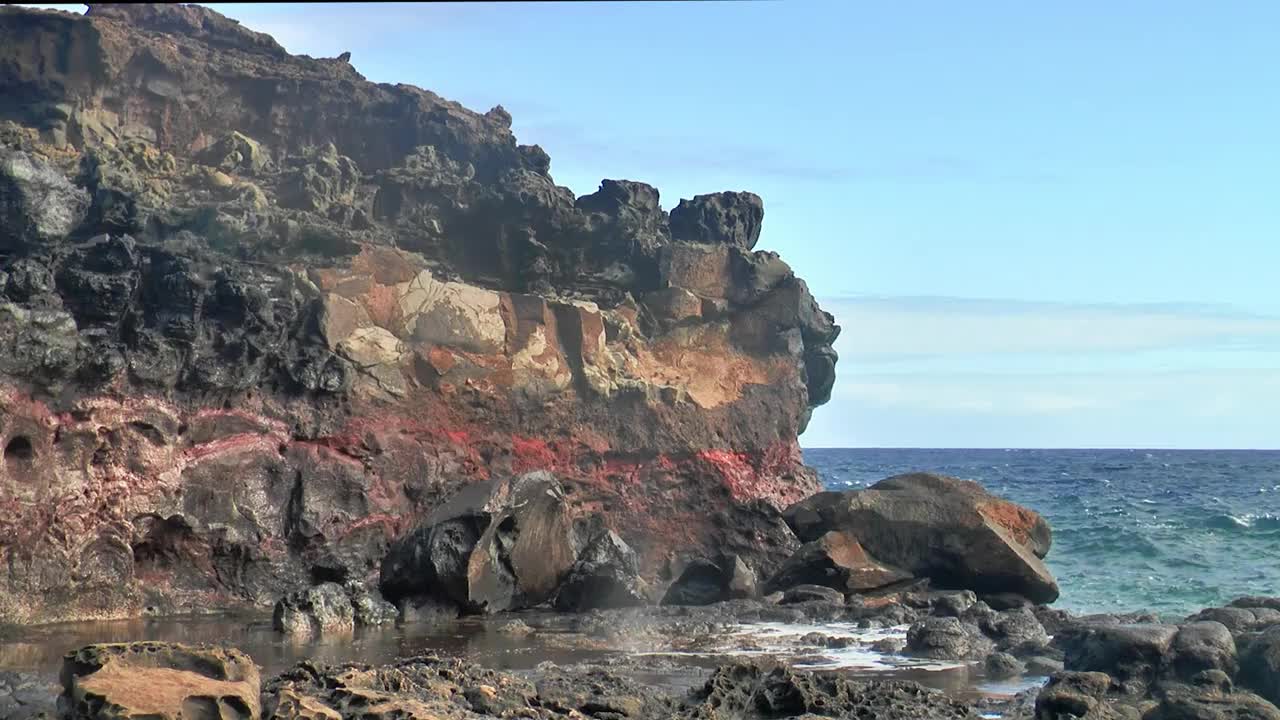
1039 224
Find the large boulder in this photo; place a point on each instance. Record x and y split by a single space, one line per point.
528 548
1081 695
37 203
1212 704
700 582
1260 664
946 638
606 575
1134 656
838 561
730 218
949 530
1016 629
703 581
1202 646
433 559
159 681
330 608
492 547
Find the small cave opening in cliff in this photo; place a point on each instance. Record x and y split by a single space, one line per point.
165 541
149 431
19 451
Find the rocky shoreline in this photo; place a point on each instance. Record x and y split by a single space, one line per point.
1218 663
714 627
275 337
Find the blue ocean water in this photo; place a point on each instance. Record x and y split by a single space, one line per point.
1169 531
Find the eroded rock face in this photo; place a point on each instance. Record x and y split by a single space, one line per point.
930 526
259 317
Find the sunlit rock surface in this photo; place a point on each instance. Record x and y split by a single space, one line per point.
259 317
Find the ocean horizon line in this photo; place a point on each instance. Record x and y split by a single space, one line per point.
1021 448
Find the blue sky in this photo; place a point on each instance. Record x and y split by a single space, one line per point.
1040 224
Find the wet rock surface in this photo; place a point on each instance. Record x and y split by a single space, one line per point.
175 681
1125 667
674 661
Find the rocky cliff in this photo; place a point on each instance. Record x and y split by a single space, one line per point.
260 316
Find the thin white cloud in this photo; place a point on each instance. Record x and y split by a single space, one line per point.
957 372
884 328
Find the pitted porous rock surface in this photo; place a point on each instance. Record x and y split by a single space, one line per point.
260 317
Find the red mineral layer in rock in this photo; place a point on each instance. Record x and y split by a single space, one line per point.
260 316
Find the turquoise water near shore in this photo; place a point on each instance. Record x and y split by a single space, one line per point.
1170 531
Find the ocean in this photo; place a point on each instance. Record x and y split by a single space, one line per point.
1171 531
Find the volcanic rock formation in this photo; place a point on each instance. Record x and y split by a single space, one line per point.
259 317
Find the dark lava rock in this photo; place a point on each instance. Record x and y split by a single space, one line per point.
606 575
702 582
1134 655
757 691
838 561
817 639
434 557
1235 619
954 603
1260 664
1014 628
949 530
1201 646
492 547
1211 704
811 593
1001 665
601 694
732 218
449 689
1005 601
423 686
369 606
323 609
1256 601
1041 665
427 610
1080 695
37 202
946 638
